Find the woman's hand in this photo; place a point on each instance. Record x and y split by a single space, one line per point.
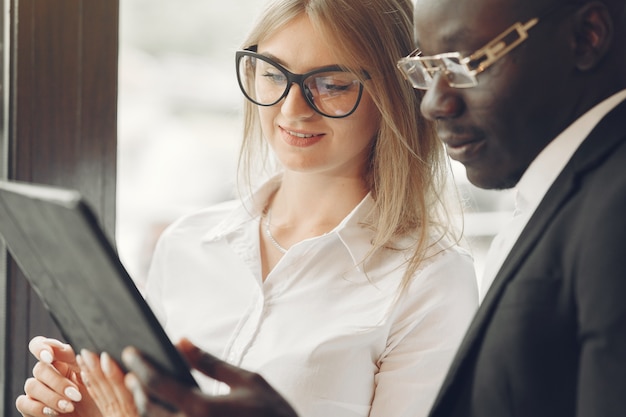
70 385
105 383
55 387
250 395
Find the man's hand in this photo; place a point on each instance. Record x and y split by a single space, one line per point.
250 395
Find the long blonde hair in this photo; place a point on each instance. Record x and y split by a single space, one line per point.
407 171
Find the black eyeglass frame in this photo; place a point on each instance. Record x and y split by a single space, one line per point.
296 79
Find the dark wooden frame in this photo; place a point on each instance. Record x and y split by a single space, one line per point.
59 126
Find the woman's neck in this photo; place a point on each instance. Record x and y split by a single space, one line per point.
304 207
315 202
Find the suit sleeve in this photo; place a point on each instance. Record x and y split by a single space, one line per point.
600 291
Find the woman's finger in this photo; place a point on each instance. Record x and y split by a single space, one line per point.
52 389
105 383
42 400
29 407
47 350
55 352
48 375
115 376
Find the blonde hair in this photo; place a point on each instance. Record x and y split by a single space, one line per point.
407 172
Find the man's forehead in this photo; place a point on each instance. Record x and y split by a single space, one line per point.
451 25
482 8
442 30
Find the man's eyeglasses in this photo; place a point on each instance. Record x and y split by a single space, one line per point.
460 71
331 91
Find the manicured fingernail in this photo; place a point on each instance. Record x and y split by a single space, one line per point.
89 359
73 394
105 363
129 355
57 343
80 361
85 378
45 356
134 387
131 382
47 411
65 406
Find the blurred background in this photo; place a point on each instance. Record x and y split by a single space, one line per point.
180 123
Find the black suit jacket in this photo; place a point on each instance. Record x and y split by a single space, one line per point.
550 337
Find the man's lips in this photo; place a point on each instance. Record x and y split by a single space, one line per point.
462 148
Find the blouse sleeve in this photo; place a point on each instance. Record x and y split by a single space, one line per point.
430 321
153 289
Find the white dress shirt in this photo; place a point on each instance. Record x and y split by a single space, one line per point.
329 332
536 181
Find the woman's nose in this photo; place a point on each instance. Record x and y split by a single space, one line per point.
441 101
294 104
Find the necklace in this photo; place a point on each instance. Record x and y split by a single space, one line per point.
269 233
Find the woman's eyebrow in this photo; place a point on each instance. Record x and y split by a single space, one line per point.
284 64
273 58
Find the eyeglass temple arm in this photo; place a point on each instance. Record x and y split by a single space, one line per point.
488 54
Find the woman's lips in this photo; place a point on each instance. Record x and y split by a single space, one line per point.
300 138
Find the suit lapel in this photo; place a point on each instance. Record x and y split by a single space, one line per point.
604 137
520 250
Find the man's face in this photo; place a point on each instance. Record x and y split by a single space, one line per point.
520 104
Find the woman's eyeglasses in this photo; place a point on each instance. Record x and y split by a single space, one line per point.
331 91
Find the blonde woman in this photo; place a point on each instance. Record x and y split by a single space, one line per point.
337 280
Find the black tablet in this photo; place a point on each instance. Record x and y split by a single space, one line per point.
57 241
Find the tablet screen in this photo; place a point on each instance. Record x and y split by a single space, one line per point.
58 243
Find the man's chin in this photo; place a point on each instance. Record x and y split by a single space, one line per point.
491 179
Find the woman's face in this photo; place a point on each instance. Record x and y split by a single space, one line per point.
303 140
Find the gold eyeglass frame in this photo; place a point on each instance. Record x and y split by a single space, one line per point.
475 63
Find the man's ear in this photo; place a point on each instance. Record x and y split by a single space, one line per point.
594 34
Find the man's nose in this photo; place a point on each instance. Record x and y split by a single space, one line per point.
440 100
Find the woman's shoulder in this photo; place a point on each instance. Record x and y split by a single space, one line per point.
445 254
203 220
447 272
441 251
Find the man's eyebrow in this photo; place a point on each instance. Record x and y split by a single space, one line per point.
452 41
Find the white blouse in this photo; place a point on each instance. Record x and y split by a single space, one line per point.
332 334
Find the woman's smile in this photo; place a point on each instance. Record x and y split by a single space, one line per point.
299 138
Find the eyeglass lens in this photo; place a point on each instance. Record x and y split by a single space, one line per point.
421 72
331 93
